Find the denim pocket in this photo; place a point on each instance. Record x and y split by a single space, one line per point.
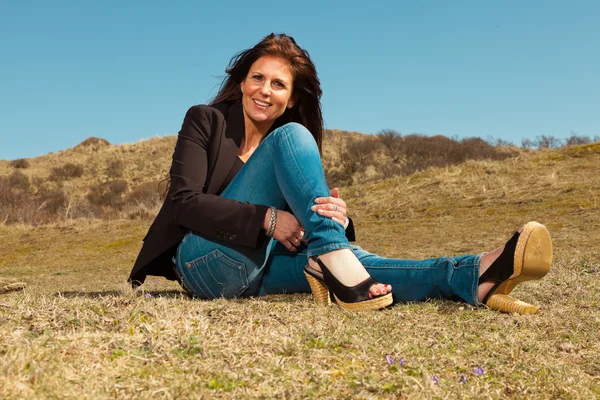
218 275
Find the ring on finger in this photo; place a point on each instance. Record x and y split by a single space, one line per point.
335 207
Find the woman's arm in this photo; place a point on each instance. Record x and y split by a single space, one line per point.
209 215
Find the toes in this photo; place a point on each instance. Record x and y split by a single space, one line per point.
380 289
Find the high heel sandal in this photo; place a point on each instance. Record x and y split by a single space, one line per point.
526 256
353 298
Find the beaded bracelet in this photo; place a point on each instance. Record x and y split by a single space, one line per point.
272 222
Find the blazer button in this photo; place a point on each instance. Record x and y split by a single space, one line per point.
232 237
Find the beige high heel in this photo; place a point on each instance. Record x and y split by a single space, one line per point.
530 252
354 298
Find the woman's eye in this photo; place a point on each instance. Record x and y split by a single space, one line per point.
279 84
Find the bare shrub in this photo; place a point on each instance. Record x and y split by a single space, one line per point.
359 154
338 176
19 181
53 201
114 169
547 142
147 193
389 138
17 205
67 171
527 143
20 163
107 194
82 208
575 140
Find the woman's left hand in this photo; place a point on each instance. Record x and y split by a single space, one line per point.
332 207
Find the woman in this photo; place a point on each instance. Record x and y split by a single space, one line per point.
248 211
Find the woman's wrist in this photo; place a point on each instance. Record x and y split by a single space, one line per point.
270 221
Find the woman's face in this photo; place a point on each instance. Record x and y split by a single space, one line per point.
267 90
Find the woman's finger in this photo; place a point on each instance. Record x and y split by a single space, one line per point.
329 207
332 214
332 200
339 221
289 245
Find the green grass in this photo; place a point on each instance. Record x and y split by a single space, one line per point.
77 330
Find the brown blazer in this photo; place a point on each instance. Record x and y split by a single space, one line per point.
207 145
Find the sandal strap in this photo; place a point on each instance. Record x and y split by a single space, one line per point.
347 294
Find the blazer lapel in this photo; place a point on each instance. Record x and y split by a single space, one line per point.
228 148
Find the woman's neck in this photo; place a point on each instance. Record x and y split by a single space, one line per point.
254 134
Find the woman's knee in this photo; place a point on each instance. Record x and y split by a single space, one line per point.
295 132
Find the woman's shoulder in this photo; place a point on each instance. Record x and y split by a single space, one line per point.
209 111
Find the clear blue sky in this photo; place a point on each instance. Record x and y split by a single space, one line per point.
128 70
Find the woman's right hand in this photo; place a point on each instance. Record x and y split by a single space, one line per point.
288 230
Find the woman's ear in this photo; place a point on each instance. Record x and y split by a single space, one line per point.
242 87
291 102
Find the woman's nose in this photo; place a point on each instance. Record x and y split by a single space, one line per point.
265 89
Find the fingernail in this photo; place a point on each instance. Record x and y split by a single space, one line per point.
320 211
313 208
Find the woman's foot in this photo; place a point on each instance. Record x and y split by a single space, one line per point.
344 265
526 256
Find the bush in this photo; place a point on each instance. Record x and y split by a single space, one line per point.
66 172
389 155
52 201
17 205
20 163
107 194
20 181
147 193
575 140
114 169
527 143
547 142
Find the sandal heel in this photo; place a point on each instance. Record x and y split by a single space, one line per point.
319 290
376 303
354 298
508 304
531 260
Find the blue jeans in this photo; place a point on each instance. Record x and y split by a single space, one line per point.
286 169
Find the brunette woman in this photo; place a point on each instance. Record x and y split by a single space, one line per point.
248 211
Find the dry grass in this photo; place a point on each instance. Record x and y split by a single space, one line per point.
77 330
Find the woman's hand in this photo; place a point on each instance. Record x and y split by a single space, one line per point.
332 207
288 230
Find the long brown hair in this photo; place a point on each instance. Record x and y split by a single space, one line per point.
306 91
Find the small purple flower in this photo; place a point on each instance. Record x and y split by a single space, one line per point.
436 380
402 361
154 281
463 379
479 371
389 360
148 295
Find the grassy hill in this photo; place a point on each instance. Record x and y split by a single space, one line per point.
77 328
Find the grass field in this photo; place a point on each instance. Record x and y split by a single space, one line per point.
78 331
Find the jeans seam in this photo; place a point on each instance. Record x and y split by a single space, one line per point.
328 248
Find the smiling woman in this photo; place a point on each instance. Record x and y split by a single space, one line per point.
249 213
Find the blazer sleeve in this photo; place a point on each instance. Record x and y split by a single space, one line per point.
210 215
